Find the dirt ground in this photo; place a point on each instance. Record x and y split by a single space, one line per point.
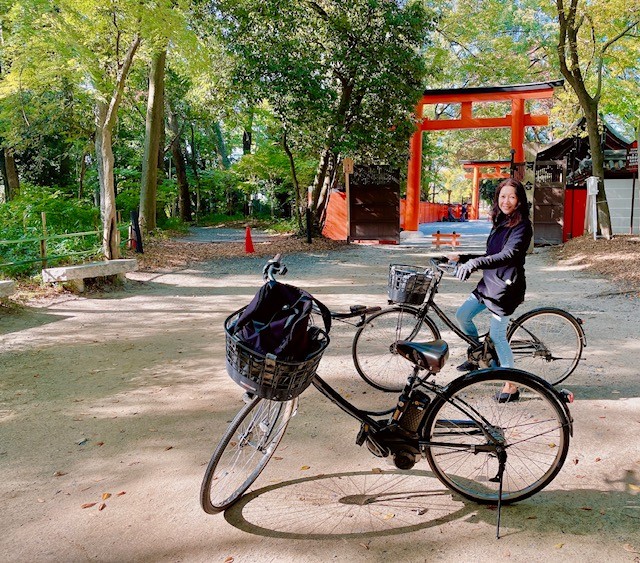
112 402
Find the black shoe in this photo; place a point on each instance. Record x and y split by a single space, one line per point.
467 366
508 397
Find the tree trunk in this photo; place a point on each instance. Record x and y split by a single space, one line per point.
318 180
184 197
569 25
597 169
325 173
194 168
4 196
153 133
10 174
83 172
222 147
294 178
106 116
247 135
110 243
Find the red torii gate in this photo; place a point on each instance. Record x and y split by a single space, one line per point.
496 170
517 120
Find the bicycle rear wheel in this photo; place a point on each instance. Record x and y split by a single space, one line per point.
547 342
244 451
374 346
463 425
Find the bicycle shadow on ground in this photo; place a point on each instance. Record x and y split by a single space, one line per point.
347 505
369 504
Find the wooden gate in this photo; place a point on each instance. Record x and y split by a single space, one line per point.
374 203
548 201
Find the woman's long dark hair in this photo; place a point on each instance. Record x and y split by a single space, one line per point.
522 210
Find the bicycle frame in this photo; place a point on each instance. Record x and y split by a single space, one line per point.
370 423
429 303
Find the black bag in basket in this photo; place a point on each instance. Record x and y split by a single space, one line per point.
276 321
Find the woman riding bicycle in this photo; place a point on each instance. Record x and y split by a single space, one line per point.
503 283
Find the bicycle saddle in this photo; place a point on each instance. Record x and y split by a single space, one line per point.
427 355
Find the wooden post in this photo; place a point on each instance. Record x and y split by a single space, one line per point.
43 240
347 166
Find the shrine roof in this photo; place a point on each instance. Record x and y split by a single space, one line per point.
513 88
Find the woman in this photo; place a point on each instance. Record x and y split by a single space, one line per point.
503 283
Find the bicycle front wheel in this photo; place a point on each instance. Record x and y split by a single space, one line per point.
374 345
465 424
547 342
244 451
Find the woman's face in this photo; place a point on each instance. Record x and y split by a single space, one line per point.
508 200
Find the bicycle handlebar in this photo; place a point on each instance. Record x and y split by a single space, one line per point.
444 265
273 267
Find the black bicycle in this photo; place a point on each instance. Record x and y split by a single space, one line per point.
486 450
546 341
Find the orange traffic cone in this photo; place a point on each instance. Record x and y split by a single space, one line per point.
248 243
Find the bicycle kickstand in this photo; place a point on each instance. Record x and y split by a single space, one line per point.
502 461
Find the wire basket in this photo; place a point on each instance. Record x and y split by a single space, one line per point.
408 284
267 376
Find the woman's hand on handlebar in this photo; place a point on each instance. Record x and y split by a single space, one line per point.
445 264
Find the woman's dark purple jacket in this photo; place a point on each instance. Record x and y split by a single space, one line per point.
503 283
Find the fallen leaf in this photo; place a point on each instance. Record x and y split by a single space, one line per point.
559 545
388 516
376 470
121 493
278 458
88 504
598 459
99 443
228 560
552 445
102 506
59 473
305 467
575 461
634 487
105 496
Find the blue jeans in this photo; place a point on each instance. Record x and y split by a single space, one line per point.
497 331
